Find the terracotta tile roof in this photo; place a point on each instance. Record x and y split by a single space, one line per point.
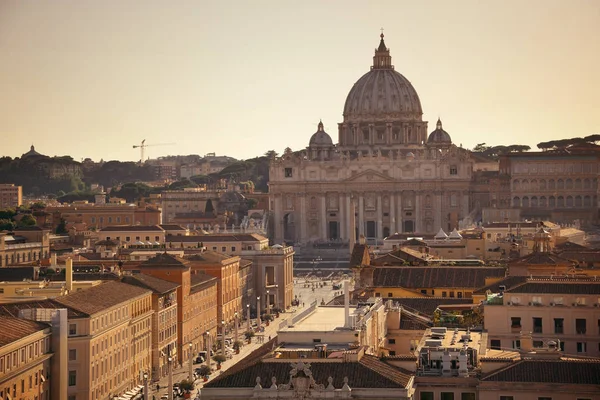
410 323
211 238
99 298
369 372
427 305
14 329
209 256
579 372
582 256
405 357
542 259
360 255
12 309
153 283
132 228
164 260
557 286
107 242
508 282
435 277
172 227
570 246
200 280
87 276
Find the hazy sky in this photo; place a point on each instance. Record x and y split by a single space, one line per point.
92 78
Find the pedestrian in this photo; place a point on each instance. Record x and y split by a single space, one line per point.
157 387
269 338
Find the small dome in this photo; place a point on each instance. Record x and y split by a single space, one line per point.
320 137
439 135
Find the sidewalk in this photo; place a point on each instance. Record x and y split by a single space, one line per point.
181 372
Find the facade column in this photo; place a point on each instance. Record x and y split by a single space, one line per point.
379 218
418 224
278 219
437 212
465 205
361 220
399 227
341 217
392 214
324 217
303 216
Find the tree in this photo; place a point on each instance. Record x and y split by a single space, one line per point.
27 220
481 147
271 154
7 225
61 229
186 385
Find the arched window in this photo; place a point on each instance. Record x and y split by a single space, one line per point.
525 184
543 201
560 184
534 185
578 183
587 184
525 201
534 201
516 185
551 184
516 202
560 201
542 184
569 201
587 201
578 201
569 184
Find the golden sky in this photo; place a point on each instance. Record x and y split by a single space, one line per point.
92 78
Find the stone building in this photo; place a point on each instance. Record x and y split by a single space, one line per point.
11 196
385 175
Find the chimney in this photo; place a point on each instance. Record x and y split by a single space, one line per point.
526 342
69 275
346 305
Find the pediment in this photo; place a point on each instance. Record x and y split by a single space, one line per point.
369 175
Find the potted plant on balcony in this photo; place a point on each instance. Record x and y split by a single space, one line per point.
187 387
219 358
204 372
267 318
236 346
249 335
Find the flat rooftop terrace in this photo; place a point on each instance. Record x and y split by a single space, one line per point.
322 319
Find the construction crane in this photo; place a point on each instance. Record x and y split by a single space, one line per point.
143 145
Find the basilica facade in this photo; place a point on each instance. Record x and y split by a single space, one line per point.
386 174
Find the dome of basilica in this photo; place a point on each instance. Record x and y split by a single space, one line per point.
382 92
320 137
439 136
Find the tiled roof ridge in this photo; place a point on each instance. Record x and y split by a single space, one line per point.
385 370
505 368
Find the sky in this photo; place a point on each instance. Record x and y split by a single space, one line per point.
93 78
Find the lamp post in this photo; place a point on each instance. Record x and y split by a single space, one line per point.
170 385
223 337
235 327
146 391
268 303
208 350
191 366
248 320
258 312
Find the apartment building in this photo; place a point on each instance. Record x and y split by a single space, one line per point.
25 356
11 196
145 235
102 215
25 245
109 337
164 319
196 313
565 310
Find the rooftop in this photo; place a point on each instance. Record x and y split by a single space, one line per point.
155 284
217 237
435 277
14 329
558 286
322 319
132 228
563 371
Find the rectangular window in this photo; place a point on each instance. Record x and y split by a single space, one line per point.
544 398
72 354
447 396
223 249
580 326
426 395
72 378
495 344
515 322
537 325
467 396
581 347
288 172
391 341
390 295
507 398
232 249
538 343
444 294
453 170
559 325
72 329
377 294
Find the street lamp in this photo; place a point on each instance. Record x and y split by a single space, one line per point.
191 373
248 320
170 385
235 327
146 391
258 313
223 337
208 350
268 303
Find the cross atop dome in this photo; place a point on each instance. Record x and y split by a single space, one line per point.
320 126
439 124
382 58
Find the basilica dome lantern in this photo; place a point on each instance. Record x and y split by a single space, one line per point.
439 137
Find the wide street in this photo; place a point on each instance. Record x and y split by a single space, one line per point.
302 287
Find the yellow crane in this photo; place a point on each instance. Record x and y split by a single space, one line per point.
143 145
